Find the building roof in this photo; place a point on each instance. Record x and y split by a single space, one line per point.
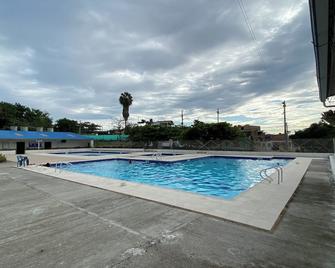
322 22
162 122
38 135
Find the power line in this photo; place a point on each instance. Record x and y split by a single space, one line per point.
246 19
250 29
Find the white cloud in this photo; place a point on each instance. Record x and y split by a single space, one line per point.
170 55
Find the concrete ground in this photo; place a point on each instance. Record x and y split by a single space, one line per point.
37 159
48 222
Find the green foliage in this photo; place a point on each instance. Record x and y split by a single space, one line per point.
2 158
315 131
198 131
68 125
126 99
89 128
153 133
20 115
212 131
328 117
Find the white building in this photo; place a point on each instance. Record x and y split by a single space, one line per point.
22 140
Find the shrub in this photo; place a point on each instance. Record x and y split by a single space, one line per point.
153 133
211 131
198 131
2 158
315 131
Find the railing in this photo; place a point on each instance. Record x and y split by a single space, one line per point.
59 165
157 156
280 174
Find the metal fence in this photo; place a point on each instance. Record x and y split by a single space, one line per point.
296 145
312 145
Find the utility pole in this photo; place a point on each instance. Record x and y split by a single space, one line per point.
285 125
182 118
218 115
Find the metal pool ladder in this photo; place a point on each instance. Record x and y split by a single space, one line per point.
59 165
280 174
157 155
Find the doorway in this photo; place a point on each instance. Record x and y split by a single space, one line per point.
20 147
47 145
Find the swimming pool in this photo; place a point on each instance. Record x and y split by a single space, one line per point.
91 153
212 176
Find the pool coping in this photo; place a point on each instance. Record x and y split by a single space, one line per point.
259 207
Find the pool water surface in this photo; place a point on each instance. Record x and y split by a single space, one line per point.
212 176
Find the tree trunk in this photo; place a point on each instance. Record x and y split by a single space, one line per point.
125 114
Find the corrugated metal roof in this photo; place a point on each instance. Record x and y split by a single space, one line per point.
37 135
322 20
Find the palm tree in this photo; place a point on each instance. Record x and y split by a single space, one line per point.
125 100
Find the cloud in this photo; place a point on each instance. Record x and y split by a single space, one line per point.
75 59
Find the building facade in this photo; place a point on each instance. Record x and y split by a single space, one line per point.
252 132
22 140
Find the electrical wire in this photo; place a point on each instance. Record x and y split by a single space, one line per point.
250 28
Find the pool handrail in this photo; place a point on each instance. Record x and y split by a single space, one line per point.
280 174
58 165
157 155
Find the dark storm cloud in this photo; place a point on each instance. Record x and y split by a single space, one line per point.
284 61
75 58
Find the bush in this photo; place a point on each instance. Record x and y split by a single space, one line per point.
211 131
2 158
315 131
153 133
198 131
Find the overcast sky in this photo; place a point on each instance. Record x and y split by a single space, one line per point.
74 58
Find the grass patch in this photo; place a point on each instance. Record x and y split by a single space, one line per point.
2 158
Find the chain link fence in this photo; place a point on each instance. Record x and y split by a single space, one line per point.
295 145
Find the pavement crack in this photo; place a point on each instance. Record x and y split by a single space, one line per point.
106 221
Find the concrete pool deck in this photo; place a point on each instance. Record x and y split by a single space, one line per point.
48 222
259 207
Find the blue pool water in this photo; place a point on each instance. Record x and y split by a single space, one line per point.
214 176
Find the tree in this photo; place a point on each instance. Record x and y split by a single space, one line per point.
198 131
67 125
20 115
328 117
211 131
125 100
89 128
315 131
153 133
